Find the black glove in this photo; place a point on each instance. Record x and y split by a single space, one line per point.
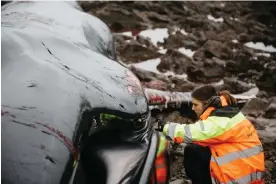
160 125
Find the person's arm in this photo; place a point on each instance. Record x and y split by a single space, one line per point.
210 131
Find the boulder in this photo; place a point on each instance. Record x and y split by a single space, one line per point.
270 111
134 52
174 61
254 107
212 48
206 71
267 81
234 85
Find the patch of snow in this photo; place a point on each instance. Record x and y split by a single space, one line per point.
169 73
128 41
265 65
185 8
155 35
149 65
235 19
234 50
175 30
210 17
162 51
248 94
173 85
187 52
260 46
235 41
182 31
221 82
222 5
127 33
263 54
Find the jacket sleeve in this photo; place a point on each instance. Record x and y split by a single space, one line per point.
205 132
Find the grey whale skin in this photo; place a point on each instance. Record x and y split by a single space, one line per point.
58 63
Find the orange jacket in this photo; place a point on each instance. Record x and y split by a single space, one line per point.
161 162
237 153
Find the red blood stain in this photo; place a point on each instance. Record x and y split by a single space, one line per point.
68 143
157 99
66 140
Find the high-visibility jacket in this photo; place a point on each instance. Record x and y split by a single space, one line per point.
162 162
237 153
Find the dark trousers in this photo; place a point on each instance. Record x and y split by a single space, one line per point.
197 163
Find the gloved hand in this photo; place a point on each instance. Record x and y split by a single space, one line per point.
160 124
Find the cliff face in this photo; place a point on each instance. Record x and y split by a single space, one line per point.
231 44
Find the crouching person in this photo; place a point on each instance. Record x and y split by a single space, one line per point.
223 146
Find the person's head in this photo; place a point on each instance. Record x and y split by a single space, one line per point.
206 96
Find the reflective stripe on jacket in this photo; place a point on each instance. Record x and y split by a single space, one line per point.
237 153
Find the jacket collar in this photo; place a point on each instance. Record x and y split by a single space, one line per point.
209 110
206 113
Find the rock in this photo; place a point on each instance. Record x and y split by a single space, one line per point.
206 71
267 81
188 87
119 19
199 36
134 52
145 41
269 164
147 76
120 41
196 21
176 117
224 36
178 181
213 48
158 19
162 82
190 45
120 38
267 138
243 38
254 107
273 56
238 26
262 94
181 85
270 111
234 86
245 65
177 166
259 123
174 61
267 176
179 40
